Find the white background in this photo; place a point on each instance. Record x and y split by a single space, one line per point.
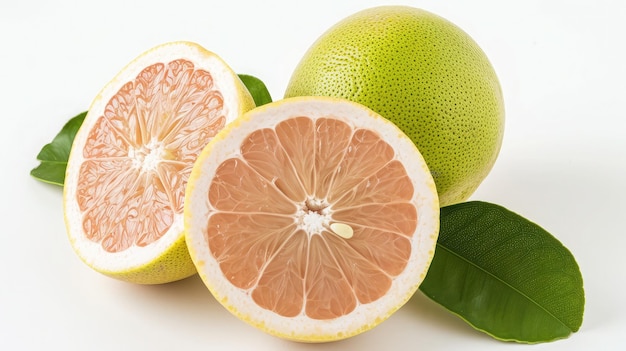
562 164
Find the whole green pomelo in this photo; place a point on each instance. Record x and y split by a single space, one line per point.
423 73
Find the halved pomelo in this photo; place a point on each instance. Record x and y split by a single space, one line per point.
130 161
313 219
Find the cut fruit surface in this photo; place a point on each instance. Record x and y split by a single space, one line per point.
130 161
313 219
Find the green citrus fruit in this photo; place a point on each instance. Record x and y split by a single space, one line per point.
423 73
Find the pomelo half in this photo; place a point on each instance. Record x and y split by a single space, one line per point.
131 158
311 218
423 73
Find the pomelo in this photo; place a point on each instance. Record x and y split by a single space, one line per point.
311 218
423 73
130 161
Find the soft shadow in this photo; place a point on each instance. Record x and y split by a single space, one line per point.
192 288
419 322
187 299
427 311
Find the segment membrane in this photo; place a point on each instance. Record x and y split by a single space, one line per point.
331 141
174 177
365 154
280 287
233 236
297 135
368 281
384 249
131 213
329 293
263 152
236 187
398 217
104 141
148 94
388 184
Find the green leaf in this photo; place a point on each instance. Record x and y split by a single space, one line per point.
505 275
257 89
53 156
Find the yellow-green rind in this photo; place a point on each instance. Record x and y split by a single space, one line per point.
423 73
174 264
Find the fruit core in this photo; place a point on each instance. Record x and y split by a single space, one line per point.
147 157
314 216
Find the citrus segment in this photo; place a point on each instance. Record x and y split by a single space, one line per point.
313 218
130 161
